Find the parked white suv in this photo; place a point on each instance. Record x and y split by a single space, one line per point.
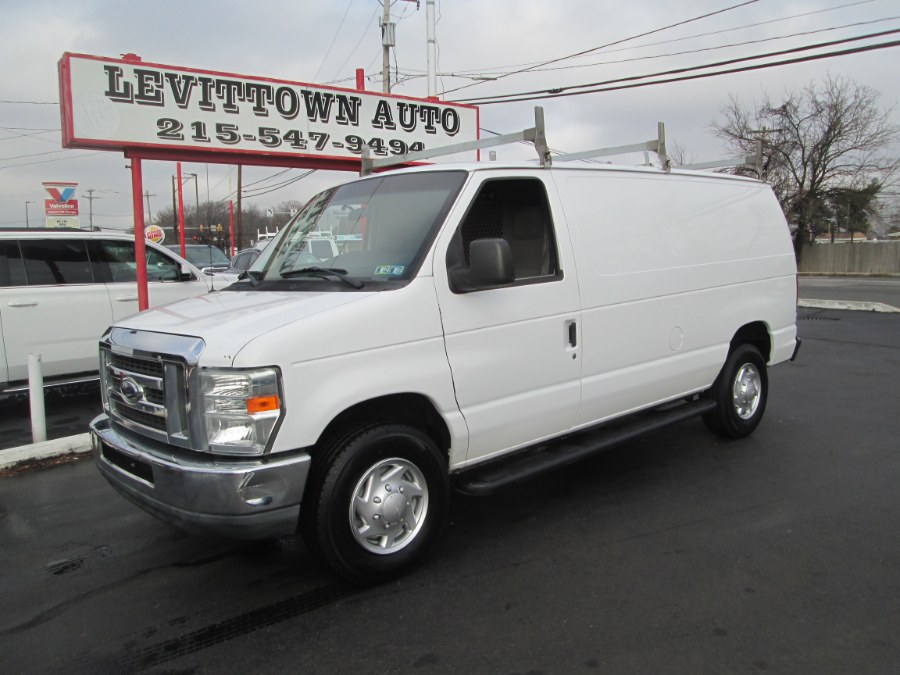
61 288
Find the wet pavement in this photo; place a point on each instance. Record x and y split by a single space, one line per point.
68 413
679 552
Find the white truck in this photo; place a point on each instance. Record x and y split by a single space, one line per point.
488 323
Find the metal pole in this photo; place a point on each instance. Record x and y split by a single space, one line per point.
140 253
386 47
231 224
36 399
432 48
174 210
239 227
180 208
196 194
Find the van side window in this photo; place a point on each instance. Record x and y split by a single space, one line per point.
12 269
516 210
56 261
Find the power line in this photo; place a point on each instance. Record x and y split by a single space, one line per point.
714 48
58 159
358 42
273 188
760 66
35 154
561 91
333 39
611 44
33 133
465 73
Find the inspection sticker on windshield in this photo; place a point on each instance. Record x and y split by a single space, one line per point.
390 270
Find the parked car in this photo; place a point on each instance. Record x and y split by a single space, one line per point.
61 288
204 256
317 251
241 262
489 322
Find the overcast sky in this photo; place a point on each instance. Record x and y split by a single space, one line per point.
324 42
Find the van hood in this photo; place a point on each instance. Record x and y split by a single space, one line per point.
227 321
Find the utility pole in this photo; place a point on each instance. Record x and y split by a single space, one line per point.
239 223
90 197
147 195
387 41
431 43
174 210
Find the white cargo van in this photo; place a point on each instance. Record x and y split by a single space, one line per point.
486 325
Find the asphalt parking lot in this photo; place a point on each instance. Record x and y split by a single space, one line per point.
675 553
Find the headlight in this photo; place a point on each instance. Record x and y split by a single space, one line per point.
240 409
104 379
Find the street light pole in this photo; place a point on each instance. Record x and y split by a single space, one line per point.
27 222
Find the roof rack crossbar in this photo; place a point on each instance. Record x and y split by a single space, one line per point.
657 145
753 162
535 134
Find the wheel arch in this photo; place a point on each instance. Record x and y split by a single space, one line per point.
755 333
407 408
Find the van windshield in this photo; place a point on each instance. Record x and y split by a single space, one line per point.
362 234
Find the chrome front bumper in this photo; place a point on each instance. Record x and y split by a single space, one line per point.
241 499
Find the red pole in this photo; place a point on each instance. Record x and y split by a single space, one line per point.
231 224
180 210
140 255
360 79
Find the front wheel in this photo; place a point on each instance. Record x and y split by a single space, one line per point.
378 502
740 392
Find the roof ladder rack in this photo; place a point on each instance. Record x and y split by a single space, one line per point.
534 135
753 162
657 145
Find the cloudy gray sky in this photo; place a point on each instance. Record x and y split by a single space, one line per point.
479 44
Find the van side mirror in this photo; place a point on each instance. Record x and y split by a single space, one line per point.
490 266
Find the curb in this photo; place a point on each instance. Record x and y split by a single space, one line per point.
852 305
70 445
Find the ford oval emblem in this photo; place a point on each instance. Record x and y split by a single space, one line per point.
131 391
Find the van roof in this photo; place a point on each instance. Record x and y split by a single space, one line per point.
472 167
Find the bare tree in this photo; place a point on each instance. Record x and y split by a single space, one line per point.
820 145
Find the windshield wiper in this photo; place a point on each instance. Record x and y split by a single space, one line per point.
253 276
324 273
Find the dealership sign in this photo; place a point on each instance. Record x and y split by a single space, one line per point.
129 104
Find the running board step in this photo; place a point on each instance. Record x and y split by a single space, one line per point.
484 480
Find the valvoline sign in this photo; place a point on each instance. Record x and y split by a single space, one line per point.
60 202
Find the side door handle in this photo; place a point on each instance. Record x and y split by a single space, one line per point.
573 334
126 298
23 303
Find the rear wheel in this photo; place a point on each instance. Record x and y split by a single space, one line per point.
377 502
740 392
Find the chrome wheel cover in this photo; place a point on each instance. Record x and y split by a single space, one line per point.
388 506
746 391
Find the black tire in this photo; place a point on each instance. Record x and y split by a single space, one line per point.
740 391
402 480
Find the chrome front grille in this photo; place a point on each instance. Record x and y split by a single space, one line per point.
151 367
147 391
136 392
